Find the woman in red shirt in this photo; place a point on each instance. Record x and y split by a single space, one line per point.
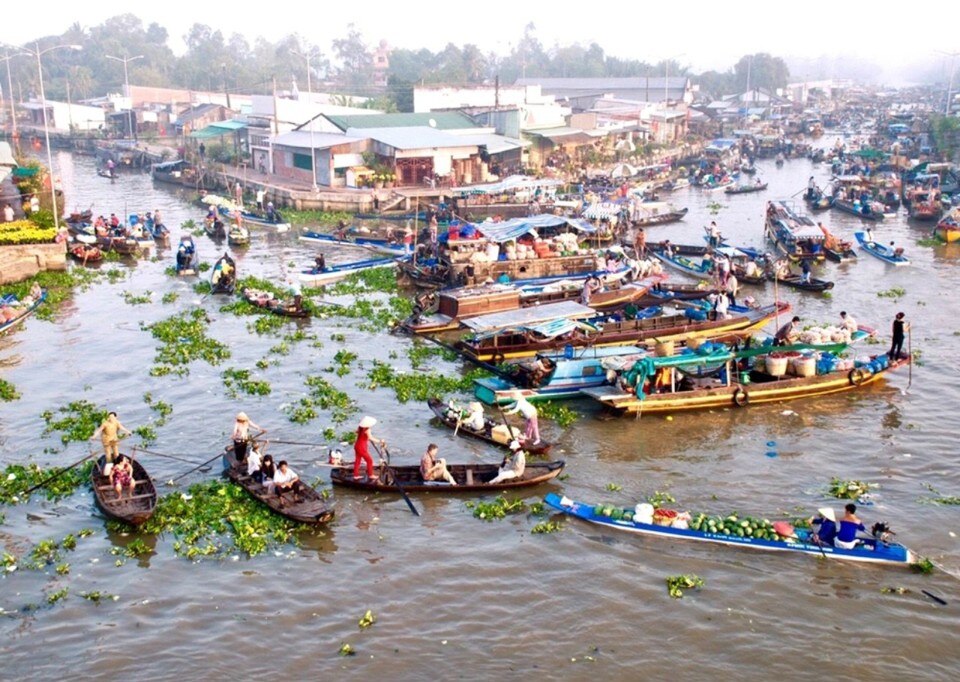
360 450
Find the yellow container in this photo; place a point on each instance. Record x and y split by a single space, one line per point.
664 348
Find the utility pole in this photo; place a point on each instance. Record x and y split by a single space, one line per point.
131 121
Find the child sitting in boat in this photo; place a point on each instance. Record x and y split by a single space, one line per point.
121 476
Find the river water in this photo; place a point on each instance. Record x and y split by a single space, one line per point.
456 597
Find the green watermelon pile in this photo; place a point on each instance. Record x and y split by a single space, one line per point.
746 527
614 513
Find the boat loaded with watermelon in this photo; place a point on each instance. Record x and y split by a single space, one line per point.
752 533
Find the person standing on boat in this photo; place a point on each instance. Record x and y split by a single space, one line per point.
319 264
732 288
811 188
714 232
900 328
361 451
433 468
512 466
109 432
591 286
805 271
825 524
529 413
640 243
241 435
261 195
849 525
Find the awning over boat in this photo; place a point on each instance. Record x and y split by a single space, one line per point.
603 210
807 232
507 230
527 317
547 330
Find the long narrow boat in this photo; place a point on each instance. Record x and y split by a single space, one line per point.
85 253
223 276
370 243
797 282
312 510
881 251
499 341
470 478
267 301
238 235
433 276
878 553
23 314
650 213
496 434
856 210
793 233
714 382
703 270
279 224
334 273
745 189
132 509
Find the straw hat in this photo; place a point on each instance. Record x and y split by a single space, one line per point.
367 422
827 513
242 417
514 445
475 407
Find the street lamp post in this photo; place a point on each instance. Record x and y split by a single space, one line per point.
126 84
46 127
13 113
666 97
313 153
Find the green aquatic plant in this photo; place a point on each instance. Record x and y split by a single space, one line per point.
561 414
169 297
419 386
8 392
238 381
184 339
325 396
163 409
77 421
136 299
546 527
498 508
676 584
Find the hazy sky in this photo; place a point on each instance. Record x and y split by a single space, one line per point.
705 35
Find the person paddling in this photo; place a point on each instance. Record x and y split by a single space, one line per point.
241 435
361 451
109 432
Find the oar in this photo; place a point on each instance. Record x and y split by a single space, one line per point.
910 353
508 424
396 479
58 474
186 473
161 454
297 442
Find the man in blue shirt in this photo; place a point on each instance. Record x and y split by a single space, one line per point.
849 525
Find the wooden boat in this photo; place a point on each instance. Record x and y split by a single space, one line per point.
701 388
881 251
238 235
425 276
334 273
455 306
187 258
267 301
312 510
23 314
796 282
221 283
948 228
875 551
470 478
85 253
651 213
158 231
215 229
683 260
276 221
857 210
497 434
125 246
107 173
133 510
925 207
80 217
819 202
745 189
835 249
498 342
794 234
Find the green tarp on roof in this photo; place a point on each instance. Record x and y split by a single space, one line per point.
218 129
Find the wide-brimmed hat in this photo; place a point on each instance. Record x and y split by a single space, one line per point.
242 417
475 406
827 513
367 422
514 445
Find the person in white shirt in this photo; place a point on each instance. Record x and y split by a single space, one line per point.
476 420
529 413
847 322
286 479
241 435
254 460
513 466
723 305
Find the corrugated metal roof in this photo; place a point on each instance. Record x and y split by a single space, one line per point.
301 139
528 316
442 120
495 144
632 83
421 137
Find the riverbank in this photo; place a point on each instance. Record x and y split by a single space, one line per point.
23 261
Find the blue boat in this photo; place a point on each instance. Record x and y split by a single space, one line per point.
334 273
794 234
871 551
277 222
370 243
881 251
857 210
569 373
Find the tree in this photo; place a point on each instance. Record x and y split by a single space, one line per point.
762 71
355 72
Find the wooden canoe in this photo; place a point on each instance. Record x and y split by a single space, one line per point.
796 282
23 315
312 510
470 478
133 510
271 304
439 408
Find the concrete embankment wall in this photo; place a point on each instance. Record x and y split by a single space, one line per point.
17 263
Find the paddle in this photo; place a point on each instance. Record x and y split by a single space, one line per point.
186 473
161 454
297 442
57 475
787 530
396 478
509 426
910 353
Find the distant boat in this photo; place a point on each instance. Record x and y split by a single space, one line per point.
881 251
